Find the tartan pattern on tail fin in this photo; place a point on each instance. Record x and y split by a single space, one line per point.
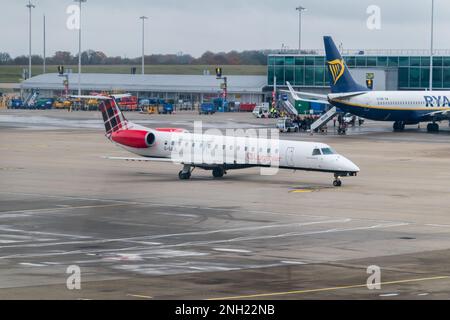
113 118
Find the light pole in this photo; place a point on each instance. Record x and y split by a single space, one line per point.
300 9
432 45
29 6
143 18
44 65
79 47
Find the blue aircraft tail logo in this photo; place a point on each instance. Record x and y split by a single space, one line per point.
337 69
341 81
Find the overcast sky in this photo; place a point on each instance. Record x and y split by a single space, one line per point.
194 26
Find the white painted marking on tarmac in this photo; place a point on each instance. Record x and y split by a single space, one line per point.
139 296
438 225
50 210
232 250
293 262
389 295
423 294
6 229
206 243
209 232
29 264
125 257
176 214
153 204
9 241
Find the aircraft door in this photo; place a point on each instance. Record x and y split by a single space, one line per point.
290 159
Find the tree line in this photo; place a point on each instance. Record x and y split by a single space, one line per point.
92 57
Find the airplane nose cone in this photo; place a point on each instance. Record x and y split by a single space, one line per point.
350 166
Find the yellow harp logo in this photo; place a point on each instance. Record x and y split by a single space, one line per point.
337 69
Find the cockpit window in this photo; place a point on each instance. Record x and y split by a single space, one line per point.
316 152
328 151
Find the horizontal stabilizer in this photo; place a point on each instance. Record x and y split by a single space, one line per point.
142 159
99 97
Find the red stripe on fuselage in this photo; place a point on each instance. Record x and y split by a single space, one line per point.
169 130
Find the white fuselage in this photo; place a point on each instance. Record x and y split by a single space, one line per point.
407 106
204 150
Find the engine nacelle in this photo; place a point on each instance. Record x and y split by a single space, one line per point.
139 139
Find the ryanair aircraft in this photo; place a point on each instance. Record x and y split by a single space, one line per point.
401 107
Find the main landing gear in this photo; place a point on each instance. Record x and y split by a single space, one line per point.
185 174
433 127
218 172
399 126
337 181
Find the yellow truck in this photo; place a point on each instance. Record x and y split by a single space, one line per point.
62 104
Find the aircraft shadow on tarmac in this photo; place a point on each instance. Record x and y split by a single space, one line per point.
137 177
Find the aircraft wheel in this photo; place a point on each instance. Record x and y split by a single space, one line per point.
433 127
218 172
399 126
337 183
184 175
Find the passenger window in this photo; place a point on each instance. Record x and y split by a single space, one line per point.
316 152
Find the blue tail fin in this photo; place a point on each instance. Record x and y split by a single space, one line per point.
341 81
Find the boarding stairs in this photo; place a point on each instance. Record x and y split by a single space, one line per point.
289 108
324 119
30 101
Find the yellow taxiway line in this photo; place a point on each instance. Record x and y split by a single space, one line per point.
274 294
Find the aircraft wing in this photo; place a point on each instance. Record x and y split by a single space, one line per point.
437 116
295 94
307 100
323 97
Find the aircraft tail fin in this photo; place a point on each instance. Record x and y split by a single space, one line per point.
341 81
113 118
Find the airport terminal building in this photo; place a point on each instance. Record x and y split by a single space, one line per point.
192 88
390 69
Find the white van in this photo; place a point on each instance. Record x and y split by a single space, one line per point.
262 111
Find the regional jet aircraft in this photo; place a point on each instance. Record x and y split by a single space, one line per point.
217 153
401 107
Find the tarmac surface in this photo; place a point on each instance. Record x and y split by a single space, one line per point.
137 232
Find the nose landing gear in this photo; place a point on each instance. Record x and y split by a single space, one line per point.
337 181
